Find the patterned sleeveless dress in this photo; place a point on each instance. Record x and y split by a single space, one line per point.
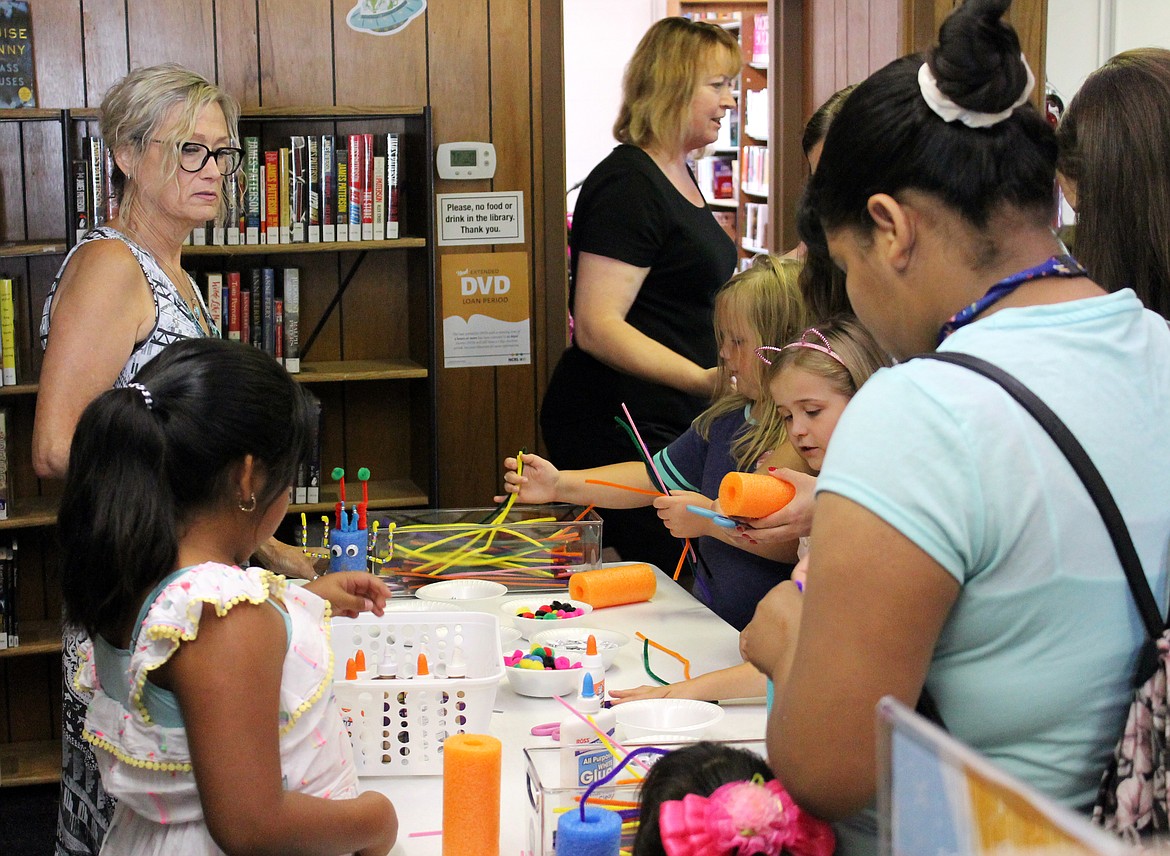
86 809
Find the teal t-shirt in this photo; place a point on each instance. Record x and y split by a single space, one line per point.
1034 665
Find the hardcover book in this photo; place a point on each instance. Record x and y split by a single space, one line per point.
245 313
328 190
341 161
379 229
392 186
268 310
298 168
215 301
367 187
357 186
80 199
18 85
252 190
256 304
94 149
7 332
234 330
232 219
313 187
4 474
272 196
285 201
278 326
292 320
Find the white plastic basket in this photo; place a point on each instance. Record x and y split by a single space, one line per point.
398 725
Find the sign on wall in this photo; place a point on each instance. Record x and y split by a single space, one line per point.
485 310
480 218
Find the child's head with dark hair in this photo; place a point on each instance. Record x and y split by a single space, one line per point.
888 139
149 459
698 769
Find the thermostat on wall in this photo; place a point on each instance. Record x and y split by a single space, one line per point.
466 160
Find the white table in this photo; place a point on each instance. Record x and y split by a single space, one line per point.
672 618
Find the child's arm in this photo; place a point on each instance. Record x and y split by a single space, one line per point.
540 481
227 681
742 681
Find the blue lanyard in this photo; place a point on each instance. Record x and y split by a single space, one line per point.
1062 265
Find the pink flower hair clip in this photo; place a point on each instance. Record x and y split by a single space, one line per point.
742 818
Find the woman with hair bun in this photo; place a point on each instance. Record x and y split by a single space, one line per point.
953 547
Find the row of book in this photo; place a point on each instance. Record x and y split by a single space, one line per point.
755 169
261 307
755 113
716 176
9 624
755 226
318 188
7 333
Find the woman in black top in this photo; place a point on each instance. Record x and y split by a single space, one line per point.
647 259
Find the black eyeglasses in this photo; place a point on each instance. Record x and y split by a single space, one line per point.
194 156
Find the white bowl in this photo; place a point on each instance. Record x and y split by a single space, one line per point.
509 636
662 716
571 640
464 595
531 626
544 683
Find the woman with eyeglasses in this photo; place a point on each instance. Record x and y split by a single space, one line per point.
120 298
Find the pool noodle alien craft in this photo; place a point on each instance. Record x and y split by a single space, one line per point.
350 541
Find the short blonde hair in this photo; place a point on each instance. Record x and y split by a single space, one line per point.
766 299
858 354
135 108
662 75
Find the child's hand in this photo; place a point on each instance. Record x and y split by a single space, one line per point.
638 693
537 484
791 522
352 592
673 512
769 640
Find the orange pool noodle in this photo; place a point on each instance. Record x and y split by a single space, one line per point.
471 795
753 495
613 586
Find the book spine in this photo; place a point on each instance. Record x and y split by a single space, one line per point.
82 215
95 166
109 198
215 302
379 212
313 188
272 196
356 188
367 187
313 490
292 319
198 236
256 307
4 608
341 158
13 592
245 313
252 190
328 190
278 329
268 311
235 306
231 188
8 637
297 195
285 197
7 332
5 480
392 186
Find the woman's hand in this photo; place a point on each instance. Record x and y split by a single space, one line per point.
769 640
289 561
672 510
791 522
535 484
352 592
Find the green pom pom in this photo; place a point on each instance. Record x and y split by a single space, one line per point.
338 473
364 474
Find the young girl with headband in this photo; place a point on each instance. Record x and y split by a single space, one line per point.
213 719
711 799
929 569
810 380
758 306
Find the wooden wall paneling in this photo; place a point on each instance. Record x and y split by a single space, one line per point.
44 198
105 58
787 85
378 419
512 116
181 31
822 55
237 40
460 96
379 70
56 48
12 225
884 33
551 333
857 53
296 55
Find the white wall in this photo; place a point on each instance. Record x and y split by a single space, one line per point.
1082 34
600 37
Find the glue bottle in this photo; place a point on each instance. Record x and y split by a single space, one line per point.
584 758
593 664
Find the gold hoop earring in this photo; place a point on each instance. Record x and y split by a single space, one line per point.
250 507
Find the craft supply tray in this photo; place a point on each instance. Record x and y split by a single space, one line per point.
533 548
398 725
547 799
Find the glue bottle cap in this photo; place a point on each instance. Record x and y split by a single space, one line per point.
423 670
359 660
388 668
457 668
351 670
587 700
591 645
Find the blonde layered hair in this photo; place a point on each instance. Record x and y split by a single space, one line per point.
766 300
662 76
135 109
859 356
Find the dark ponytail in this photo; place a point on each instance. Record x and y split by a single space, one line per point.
887 139
143 461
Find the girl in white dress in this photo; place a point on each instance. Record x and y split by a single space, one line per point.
213 718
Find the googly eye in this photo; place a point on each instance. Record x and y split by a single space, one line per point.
351 550
335 551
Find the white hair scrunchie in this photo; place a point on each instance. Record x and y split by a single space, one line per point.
949 111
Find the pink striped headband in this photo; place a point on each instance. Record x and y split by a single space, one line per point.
803 342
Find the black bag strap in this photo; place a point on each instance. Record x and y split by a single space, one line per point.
1084 467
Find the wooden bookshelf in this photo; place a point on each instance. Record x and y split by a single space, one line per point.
27 512
26 249
302 247
36 637
36 762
